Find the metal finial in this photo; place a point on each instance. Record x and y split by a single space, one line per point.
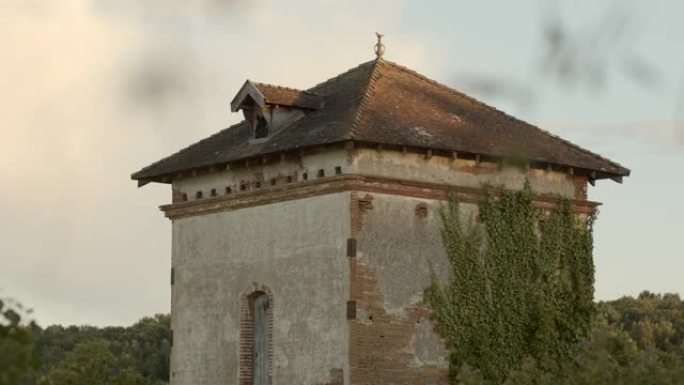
379 47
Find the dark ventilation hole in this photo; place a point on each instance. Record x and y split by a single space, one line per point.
321 173
229 190
199 195
305 176
421 210
243 187
185 197
213 192
338 170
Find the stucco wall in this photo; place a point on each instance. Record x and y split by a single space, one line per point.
292 166
295 248
460 172
400 246
393 164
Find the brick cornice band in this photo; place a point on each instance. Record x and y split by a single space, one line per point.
348 182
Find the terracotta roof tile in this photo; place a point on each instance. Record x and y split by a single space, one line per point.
285 96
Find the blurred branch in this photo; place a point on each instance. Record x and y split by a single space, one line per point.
588 55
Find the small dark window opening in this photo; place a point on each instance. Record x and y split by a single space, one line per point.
305 176
185 197
321 173
289 179
229 190
199 195
257 184
213 192
261 129
243 187
273 181
338 170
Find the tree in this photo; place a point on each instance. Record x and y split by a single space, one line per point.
90 363
17 355
143 347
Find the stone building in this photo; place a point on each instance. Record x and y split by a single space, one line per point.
303 236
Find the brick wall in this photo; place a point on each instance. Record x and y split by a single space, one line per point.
381 345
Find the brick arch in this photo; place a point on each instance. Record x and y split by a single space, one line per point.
247 332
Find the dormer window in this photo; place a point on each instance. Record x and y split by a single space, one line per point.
261 129
269 108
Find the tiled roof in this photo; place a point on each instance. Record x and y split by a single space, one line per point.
384 103
285 96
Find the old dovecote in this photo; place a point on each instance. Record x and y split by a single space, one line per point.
303 236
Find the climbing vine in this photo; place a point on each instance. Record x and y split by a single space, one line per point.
522 283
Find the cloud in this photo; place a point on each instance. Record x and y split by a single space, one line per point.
101 88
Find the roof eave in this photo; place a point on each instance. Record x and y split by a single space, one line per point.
592 174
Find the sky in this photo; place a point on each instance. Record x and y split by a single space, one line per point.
93 90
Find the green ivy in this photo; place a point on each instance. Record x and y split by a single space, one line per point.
522 284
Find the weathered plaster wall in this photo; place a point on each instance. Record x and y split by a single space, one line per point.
392 340
363 161
255 176
295 248
461 172
401 246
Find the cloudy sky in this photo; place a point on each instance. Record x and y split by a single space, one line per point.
93 90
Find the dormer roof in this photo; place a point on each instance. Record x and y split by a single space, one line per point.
268 94
383 103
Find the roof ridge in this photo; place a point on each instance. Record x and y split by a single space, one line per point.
186 148
284 88
324 82
365 99
483 104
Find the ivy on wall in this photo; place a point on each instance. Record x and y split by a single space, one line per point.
522 284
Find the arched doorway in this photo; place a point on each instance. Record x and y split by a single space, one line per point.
261 362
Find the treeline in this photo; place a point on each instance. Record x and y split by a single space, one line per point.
633 341
83 355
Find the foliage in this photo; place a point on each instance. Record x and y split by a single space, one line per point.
522 285
93 362
143 348
518 309
653 321
613 355
134 355
17 353
146 344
